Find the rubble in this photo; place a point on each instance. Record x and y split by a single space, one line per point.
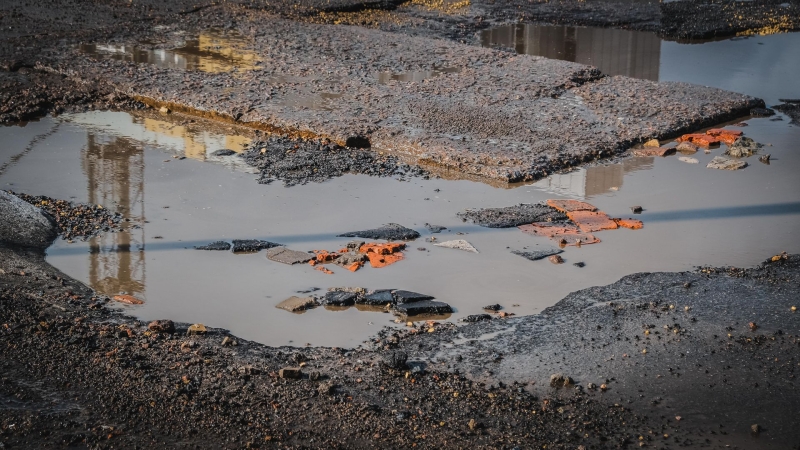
535 255
252 245
216 246
388 232
297 304
458 244
723 163
286 256
512 216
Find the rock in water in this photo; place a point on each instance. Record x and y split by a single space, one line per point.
297 304
218 245
512 216
23 224
743 147
252 245
286 256
389 232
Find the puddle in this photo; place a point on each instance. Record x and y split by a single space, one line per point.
644 55
415 75
692 215
210 51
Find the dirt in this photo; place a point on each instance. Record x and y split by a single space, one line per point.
130 386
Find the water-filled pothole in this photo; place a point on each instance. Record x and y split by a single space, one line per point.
209 51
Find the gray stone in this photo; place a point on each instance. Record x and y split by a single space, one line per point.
290 373
349 258
395 360
22 224
435 228
297 304
535 255
686 147
389 232
223 152
476 318
558 380
423 307
458 244
723 163
688 160
286 256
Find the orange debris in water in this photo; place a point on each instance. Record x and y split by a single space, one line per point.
702 140
570 233
570 205
589 221
323 256
355 266
324 270
726 136
129 299
633 224
382 255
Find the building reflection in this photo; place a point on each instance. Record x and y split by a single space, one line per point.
211 52
615 52
114 168
592 181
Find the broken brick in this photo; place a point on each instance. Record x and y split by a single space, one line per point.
382 255
633 224
701 140
570 205
726 136
589 221
570 233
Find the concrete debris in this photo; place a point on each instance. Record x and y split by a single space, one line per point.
637 209
340 298
458 244
380 297
700 140
512 216
162 326
423 307
556 259
494 308
297 304
473 318
127 299
743 147
688 160
402 297
388 232
723 163
558 380
686 147
761 112
659 151
764 158
252 245
564 233
286 256
218 245
290 373
535 255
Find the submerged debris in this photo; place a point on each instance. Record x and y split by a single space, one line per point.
75 220
589 221
299 162
389 232
473 318
512 216
660 151
565 233
723 163
761 112
536 255
790 107
458 244
689 160
286 256
435 228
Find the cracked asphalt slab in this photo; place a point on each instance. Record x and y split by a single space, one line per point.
474 111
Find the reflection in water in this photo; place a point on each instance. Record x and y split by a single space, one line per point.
615 52
211 52
196 144
415 75
591 181
114 169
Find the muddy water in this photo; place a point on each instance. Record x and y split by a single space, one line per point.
693 216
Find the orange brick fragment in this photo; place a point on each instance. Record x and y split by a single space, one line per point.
570 233
129 299
382 255
660 151
355 266
701 140
324 270
570 205
633 224
324 256
723 132
589 221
